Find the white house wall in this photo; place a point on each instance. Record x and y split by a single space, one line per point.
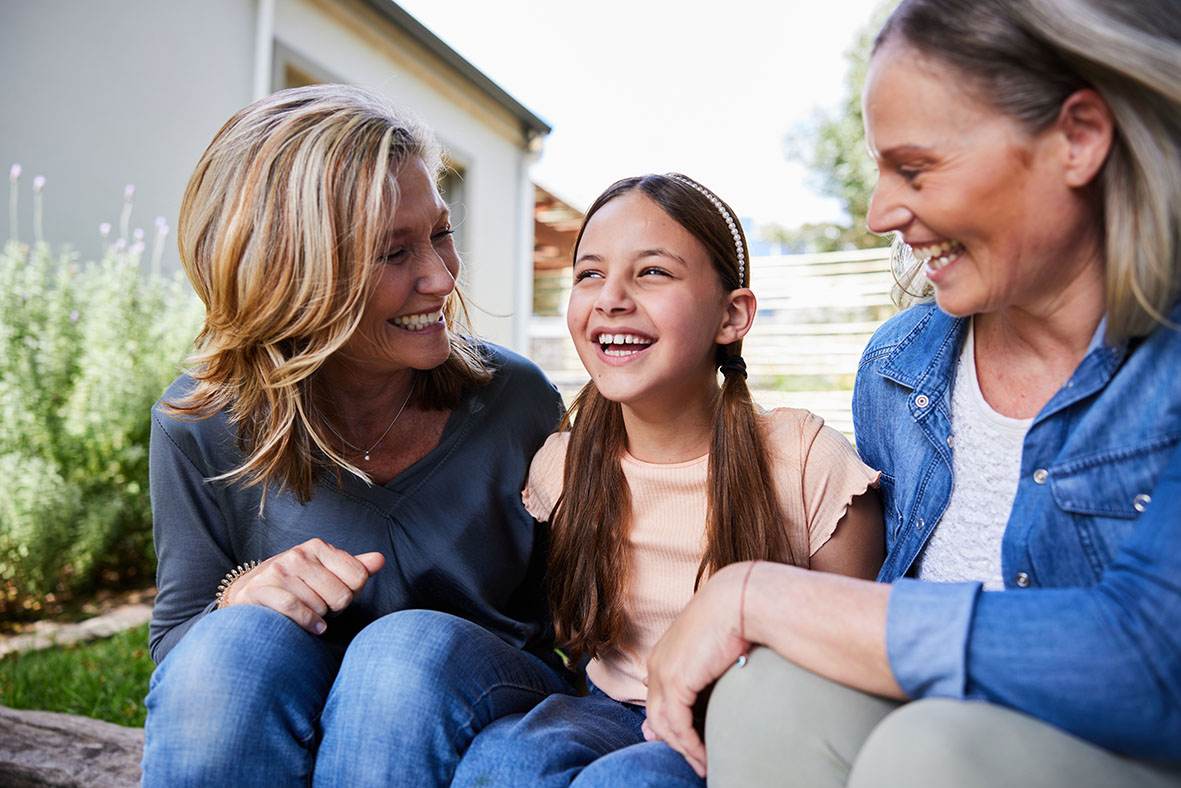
99 95
95 96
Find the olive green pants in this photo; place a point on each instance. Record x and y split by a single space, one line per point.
773 723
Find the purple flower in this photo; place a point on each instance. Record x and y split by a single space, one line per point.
104 229
14 172
74 316
38 183
128 191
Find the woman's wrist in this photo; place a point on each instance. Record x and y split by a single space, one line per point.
742 634
227 582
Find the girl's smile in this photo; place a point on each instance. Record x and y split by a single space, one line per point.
646 307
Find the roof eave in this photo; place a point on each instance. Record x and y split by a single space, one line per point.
531 125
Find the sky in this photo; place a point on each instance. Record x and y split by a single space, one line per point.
637 86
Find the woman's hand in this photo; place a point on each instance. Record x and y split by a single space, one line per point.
306 582
703 642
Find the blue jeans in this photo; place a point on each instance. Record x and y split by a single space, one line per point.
248 698
588 742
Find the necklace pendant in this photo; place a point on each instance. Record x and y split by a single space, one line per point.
366 458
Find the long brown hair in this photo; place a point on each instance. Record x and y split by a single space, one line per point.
588 563
278 234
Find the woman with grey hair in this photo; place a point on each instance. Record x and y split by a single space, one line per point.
1025 414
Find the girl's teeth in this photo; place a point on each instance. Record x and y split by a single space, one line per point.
611 342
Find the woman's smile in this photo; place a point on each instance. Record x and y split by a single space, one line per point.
420 321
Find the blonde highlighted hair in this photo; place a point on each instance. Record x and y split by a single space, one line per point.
588 564
278 233
1025 58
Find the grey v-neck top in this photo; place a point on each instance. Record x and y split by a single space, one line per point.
452 527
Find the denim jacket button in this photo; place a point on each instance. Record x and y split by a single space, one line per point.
921 401
1141 501
1040 475
949 441
1023 580
919 524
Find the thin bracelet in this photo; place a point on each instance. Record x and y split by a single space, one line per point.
742 602
223 587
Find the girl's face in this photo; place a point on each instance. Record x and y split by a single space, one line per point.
647 309
981 201
403 326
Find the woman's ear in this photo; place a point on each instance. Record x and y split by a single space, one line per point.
738 316
1087 126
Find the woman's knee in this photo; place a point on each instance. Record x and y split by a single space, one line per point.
770 715
238 656
972 744
241 679
423 651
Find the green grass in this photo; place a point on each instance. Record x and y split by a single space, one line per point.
106 679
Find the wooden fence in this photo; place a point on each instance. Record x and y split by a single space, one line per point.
816 312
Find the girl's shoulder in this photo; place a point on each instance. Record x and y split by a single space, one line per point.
778 424
798 437
544 484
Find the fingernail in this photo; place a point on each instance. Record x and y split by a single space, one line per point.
319 626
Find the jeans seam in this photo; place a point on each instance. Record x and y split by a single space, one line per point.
488 691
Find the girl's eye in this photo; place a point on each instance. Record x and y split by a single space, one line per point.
588 273
393 256
653 270
443 235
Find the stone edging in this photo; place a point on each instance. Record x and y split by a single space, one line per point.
49 633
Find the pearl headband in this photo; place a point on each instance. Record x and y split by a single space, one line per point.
734 231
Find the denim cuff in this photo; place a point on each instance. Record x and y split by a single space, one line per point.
927 627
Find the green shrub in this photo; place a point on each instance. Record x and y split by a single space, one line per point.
84 352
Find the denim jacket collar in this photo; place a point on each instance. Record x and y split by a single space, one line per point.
925 361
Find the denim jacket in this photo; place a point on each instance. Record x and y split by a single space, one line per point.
1087 633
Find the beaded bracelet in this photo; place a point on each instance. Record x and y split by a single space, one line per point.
224 586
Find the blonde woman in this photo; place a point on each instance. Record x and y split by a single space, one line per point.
1026 422
349 584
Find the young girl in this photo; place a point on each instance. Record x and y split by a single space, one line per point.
659 477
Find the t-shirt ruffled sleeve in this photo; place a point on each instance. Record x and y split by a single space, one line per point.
544 484
833 476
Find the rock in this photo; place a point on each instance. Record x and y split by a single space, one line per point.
40 748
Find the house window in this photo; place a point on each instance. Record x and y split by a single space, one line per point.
292 70
454 192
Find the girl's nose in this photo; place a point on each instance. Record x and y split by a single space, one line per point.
613 297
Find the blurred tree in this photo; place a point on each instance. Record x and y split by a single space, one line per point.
832 146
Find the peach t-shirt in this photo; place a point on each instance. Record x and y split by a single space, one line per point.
816 472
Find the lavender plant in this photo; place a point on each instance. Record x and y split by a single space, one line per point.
85 349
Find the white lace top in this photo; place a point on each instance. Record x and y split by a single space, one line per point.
986 465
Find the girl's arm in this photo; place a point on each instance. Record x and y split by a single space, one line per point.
858 546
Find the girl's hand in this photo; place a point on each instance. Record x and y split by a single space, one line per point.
700 646
306 582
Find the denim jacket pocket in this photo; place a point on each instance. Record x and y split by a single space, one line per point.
1106 492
